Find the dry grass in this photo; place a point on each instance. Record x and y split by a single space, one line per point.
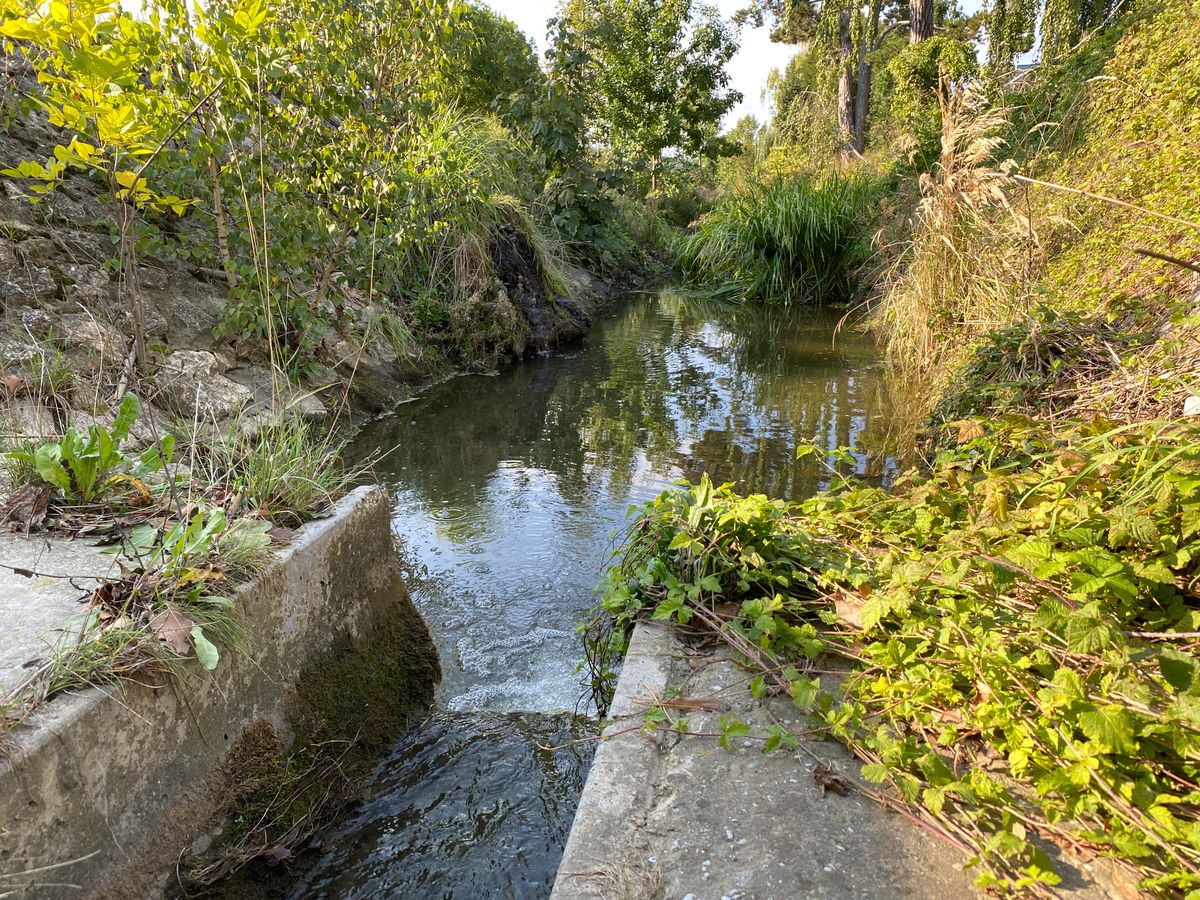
972 251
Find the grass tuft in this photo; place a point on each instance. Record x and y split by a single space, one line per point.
787 241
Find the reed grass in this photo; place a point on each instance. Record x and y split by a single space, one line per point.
783 242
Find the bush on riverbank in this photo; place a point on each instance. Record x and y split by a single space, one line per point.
328 164
1017 626
1049 266
786 241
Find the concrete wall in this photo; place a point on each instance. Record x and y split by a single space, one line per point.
103 790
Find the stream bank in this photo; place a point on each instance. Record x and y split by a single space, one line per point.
507 491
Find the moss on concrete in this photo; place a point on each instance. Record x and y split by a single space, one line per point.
349 704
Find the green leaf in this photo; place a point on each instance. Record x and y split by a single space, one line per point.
48 460
804 692
1110 726
206 651
876 773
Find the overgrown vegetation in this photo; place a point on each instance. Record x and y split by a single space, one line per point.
1018 628
1016 620
185 539
787 241
324 159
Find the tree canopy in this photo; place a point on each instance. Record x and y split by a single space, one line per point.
658 72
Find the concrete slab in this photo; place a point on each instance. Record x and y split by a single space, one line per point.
105 788
36 611
678 817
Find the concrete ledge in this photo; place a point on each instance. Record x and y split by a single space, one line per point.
110 785
677 816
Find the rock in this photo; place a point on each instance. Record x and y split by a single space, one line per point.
292 399
35 322
189 310
88 286
152 277
100 344
192 383
28 286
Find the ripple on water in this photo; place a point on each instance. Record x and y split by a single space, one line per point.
460 783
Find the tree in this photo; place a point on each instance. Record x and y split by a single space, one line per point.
1013 26
657 73
493 67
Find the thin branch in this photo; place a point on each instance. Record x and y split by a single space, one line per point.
1166 257
1104 199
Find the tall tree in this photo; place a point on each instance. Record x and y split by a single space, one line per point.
658 75
920 20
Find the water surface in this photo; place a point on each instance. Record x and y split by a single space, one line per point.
508 491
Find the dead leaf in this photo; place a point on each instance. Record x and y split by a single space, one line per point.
276 854
831 780
969 430
281 534
27 506
710 704
13 386
849 609
140 495
174 629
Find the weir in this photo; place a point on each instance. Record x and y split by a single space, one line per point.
105 791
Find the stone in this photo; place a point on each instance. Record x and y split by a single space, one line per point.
102 345
28 286
193 384
189 310
88 286
35 322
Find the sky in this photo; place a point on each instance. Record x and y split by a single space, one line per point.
755 59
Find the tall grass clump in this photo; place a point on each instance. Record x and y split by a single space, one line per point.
786 241
971 253
288 473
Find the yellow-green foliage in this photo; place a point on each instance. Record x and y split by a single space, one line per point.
1133 134
1093 159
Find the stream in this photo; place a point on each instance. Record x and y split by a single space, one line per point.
508 491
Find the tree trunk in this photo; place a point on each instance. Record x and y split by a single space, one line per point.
868 44
863 100
129 289
920 20
214 173
845 79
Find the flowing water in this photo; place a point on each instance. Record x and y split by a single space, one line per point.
508 490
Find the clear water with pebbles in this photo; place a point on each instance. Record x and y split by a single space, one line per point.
508 491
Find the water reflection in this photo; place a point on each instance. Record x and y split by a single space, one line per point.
507 491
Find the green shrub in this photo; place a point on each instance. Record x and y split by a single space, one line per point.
788 241
1018 629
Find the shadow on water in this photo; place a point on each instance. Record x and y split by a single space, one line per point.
508 492
421 832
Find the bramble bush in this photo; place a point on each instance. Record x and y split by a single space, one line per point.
1018 628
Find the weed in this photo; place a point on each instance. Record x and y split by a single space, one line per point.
288 472
789 241
1019 626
